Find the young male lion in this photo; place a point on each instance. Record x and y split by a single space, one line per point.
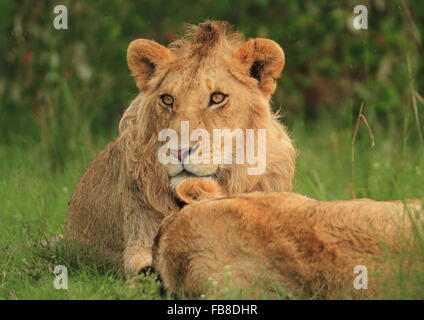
260 241
210 78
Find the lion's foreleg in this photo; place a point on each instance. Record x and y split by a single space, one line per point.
140 228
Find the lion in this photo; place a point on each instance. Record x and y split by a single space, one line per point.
211 78
266 240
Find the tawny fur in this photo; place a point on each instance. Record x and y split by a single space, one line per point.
125 193
265 240
195 189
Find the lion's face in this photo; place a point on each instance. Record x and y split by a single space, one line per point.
210 81
193 105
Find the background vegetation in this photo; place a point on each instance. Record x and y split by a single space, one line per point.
62 93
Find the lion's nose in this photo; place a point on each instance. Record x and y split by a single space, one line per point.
183 153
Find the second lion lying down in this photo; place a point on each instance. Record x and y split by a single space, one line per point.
282 239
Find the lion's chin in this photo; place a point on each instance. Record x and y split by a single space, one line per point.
184 175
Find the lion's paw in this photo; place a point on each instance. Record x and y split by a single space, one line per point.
137 262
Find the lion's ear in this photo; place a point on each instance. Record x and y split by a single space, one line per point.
196 189
143 56
263 59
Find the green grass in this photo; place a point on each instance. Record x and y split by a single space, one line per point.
33 204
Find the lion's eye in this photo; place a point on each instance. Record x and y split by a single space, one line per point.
167 100
217 97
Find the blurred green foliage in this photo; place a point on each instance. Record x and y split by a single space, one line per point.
65 88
